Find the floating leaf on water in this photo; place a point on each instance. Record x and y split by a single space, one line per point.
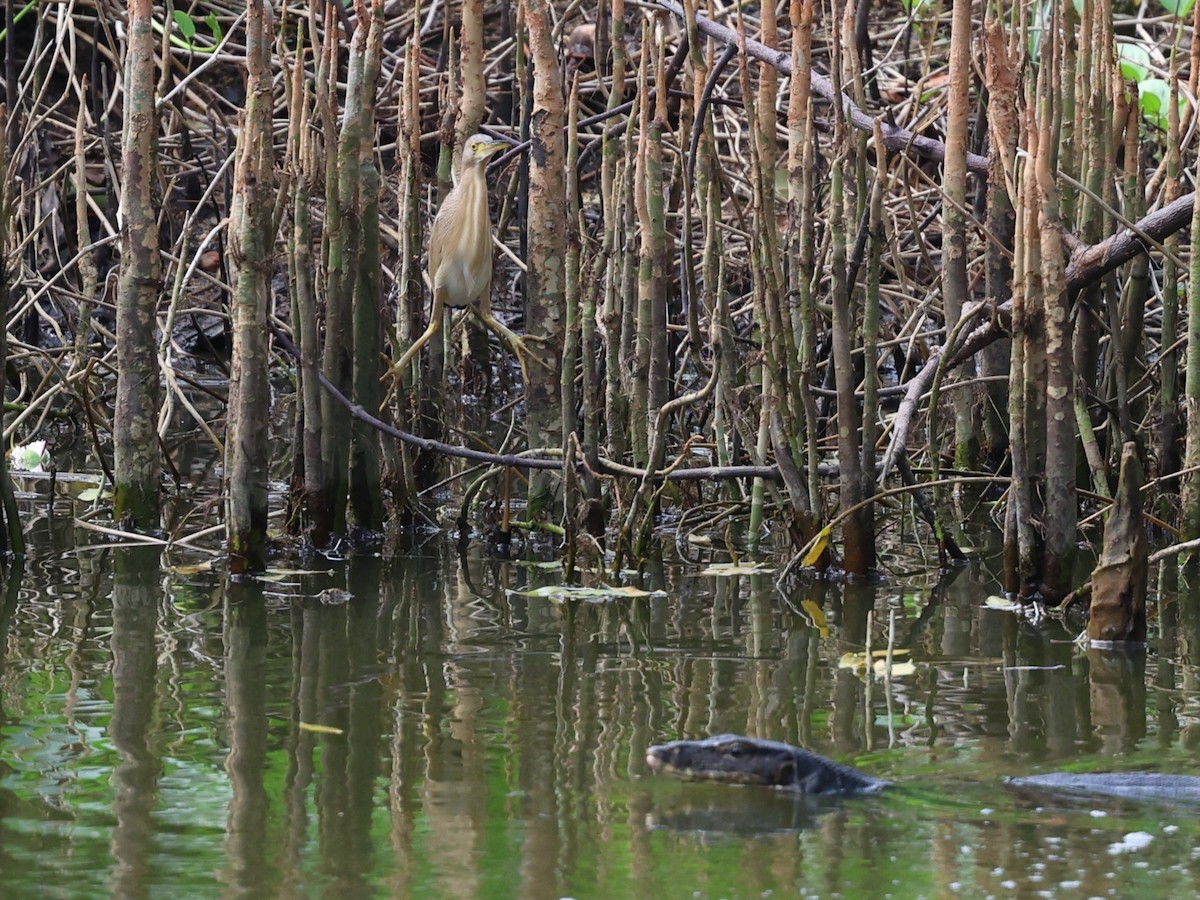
899 669
818 547
561 593
1001 604
31 457
859 660
275 576
91 495
728 570
549 565
320 729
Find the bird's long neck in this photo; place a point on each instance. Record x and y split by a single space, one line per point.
472 184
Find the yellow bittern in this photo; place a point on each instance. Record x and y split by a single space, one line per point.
460 251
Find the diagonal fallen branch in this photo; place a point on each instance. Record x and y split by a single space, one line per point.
526 460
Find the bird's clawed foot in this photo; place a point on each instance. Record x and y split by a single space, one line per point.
517 344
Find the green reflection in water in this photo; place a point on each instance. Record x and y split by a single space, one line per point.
491 745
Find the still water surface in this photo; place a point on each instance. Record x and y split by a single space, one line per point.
157 736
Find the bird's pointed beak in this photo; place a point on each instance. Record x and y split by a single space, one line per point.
494 147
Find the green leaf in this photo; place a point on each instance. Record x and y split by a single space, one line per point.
1177 8
185 24
1154 97
214 26
1135 62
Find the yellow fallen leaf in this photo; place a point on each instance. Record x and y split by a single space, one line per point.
320 729
195 569
1001 604
859 660
899 669
818 547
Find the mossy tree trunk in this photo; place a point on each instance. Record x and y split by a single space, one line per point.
1190 498
136 461
955 287
1001 78
303 167
1060 505
545 298
11 537
858 531
366 500
252 244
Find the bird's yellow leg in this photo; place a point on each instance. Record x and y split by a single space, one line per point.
515 343
435 323
483 309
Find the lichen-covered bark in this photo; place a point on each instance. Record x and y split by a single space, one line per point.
613 180
1060 506
955 288
647 180
251 239
802 239
1003 125
858 539
1191 395
410 303
303 166
344 233
136 462
858 542
366 501
1168 399
1032 396
472 107
544 304
11 537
